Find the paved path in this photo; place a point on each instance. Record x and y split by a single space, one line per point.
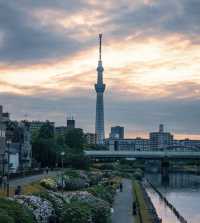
30 179
123 204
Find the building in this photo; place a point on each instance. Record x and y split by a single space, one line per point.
137 144
187 144
100 88
60 130
90 138
4 118
36 125
117 132
25 159
160 140
70 123
20 149
190 143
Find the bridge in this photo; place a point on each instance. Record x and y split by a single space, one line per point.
143 154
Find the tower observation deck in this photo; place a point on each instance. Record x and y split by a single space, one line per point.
100 88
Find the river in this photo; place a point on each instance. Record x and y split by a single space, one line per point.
182 190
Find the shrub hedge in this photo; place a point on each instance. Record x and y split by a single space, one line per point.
14 212
76 212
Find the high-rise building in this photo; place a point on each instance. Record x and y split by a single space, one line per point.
160 139
100 88
70 123
117 132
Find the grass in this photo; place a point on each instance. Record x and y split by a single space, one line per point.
26 190
32 188
143 214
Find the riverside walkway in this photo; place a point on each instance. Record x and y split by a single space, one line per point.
22 181
123 204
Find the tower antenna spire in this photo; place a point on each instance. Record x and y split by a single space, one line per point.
100 88
100 40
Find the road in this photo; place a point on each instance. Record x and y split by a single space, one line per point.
123 204
30 179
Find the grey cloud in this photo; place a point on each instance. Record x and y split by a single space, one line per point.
52 107
180 115
158 19
25 39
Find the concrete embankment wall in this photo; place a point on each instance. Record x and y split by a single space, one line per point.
172 208
145 210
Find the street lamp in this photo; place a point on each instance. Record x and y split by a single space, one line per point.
62 157
8 142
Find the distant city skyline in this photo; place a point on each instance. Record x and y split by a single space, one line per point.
151 60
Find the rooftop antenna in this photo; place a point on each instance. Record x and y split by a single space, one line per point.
100 40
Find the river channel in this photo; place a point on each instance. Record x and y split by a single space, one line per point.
182 190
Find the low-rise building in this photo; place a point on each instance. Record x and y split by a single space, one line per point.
160 140
60 130
36 125
187 144
20 149
90 138
117 132
137 144
4 118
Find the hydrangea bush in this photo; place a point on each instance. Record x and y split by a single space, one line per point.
41 208
76 212
56 200
100 209
49 183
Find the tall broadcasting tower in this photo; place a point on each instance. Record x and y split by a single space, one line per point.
100 88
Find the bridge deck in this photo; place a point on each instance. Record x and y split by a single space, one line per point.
144 154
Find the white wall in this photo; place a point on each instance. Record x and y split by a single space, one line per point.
14 162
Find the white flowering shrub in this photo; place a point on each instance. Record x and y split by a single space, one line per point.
42 209
49 183
55 198
99 208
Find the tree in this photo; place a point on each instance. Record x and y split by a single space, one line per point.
47 147
74 138
44 146
46 130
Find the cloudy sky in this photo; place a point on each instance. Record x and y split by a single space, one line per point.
151 57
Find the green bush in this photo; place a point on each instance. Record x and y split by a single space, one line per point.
100 213
74 180
100 209
106 193
76 212
72 173
107 166
138 175
5 218
15 211
75 184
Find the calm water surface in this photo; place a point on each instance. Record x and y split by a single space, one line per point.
182 190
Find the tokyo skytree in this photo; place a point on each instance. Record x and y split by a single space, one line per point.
100 88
